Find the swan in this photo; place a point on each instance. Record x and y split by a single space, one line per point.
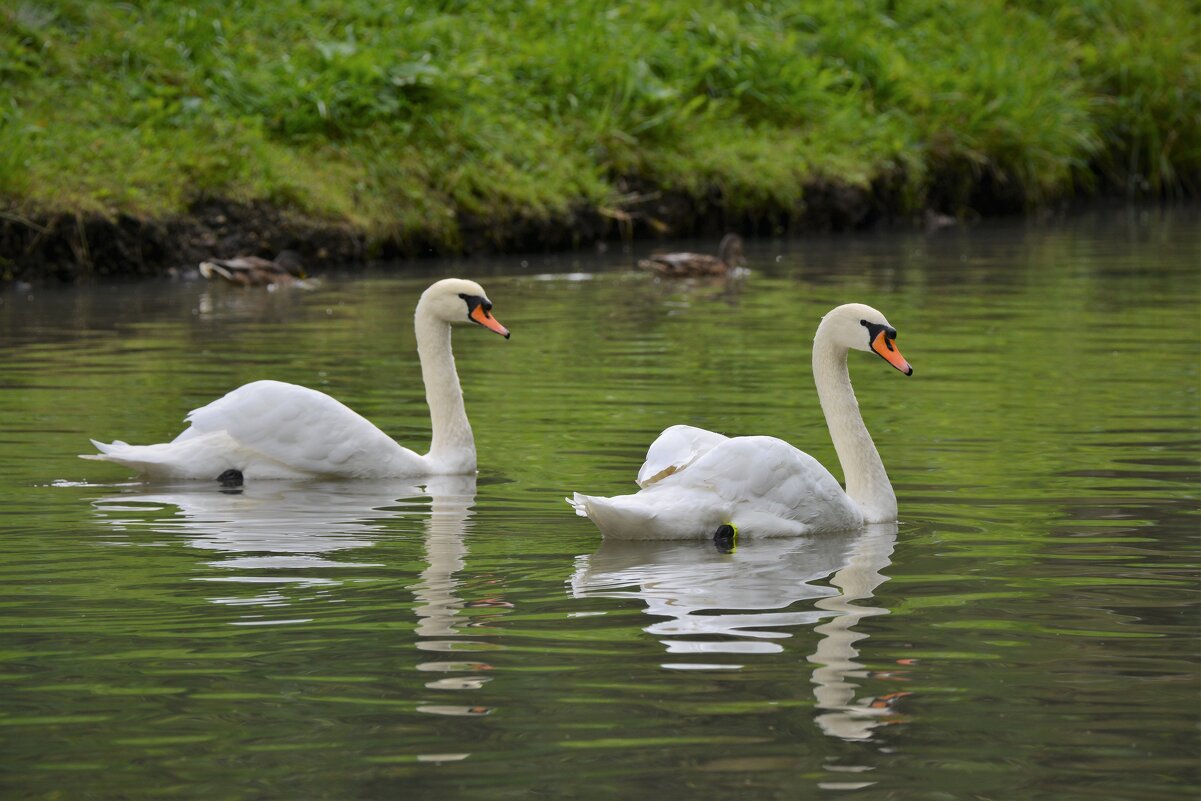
689 265
274 430
697 483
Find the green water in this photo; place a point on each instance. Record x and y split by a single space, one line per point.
1028 630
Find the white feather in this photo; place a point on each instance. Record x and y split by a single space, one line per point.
761 485
674 449
270 429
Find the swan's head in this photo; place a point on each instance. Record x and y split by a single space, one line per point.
456 300
860 327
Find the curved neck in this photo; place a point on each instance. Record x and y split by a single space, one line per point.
452 446
867 482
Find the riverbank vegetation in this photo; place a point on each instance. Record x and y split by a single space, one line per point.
408 124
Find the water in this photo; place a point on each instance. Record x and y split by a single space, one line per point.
1027 631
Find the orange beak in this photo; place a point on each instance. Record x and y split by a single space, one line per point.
888 349
488 321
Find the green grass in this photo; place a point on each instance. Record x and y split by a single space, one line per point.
399 119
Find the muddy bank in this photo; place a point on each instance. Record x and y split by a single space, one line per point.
72 246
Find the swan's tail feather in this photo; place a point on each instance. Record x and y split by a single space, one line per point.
105 449
164 460
617 518
576 502
141 458
203 456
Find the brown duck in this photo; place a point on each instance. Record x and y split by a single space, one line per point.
686 265
284 269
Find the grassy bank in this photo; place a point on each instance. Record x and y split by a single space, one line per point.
405 122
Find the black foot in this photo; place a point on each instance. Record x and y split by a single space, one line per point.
230 478
725 539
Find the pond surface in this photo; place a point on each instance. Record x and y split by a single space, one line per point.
1027 631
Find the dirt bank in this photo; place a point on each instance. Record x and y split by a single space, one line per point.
69 247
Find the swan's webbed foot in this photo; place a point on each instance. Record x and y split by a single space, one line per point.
230 478
725 539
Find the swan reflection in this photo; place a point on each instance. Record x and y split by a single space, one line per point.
439 601
712 603
278 531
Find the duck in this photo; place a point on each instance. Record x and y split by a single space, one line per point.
691 265
275 430
699 484
284 269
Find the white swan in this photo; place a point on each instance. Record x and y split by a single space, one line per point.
269 429
696 483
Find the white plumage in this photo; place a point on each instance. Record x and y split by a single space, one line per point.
674 449
695 481
275 430
270 429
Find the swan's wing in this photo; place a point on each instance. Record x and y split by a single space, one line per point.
763 479
675 449
299 427
762 485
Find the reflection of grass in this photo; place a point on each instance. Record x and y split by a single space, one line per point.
396 118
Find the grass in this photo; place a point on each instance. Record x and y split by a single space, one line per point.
400 120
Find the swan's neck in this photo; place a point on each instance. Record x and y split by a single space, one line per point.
452 447
867 483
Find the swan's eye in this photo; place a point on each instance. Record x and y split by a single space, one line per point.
475 301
